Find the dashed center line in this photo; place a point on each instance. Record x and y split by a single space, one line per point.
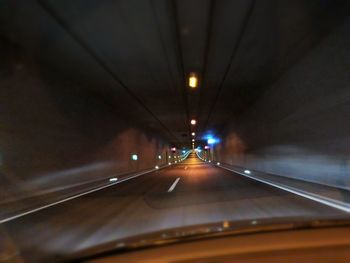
172 187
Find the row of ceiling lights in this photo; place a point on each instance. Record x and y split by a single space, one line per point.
193 83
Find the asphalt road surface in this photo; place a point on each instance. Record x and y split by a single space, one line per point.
185 194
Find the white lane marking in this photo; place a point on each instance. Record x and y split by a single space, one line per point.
73 197
315 197
59 188
172 187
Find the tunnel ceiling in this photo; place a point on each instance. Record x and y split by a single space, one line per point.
136 55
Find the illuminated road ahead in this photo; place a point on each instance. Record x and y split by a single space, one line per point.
185 194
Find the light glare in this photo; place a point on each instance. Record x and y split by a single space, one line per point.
134 157
193 80
193 122
211 141
246 171
114 179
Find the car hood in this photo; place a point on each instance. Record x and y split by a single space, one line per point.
211 230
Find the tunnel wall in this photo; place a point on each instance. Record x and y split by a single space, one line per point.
46 146
300 127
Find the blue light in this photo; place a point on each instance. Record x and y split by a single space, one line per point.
183 151
210 138
211 141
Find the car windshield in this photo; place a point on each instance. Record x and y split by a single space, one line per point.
124 118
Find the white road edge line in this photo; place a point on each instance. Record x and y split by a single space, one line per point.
317 198
172 187
75 196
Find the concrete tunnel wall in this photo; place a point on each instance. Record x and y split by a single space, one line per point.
43 148
300 127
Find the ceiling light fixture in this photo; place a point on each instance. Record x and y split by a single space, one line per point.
193 80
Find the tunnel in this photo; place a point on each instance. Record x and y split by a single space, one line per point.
102 95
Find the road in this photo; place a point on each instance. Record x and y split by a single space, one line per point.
189 193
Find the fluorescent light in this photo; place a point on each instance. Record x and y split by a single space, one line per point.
246 171
114 179
193 80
